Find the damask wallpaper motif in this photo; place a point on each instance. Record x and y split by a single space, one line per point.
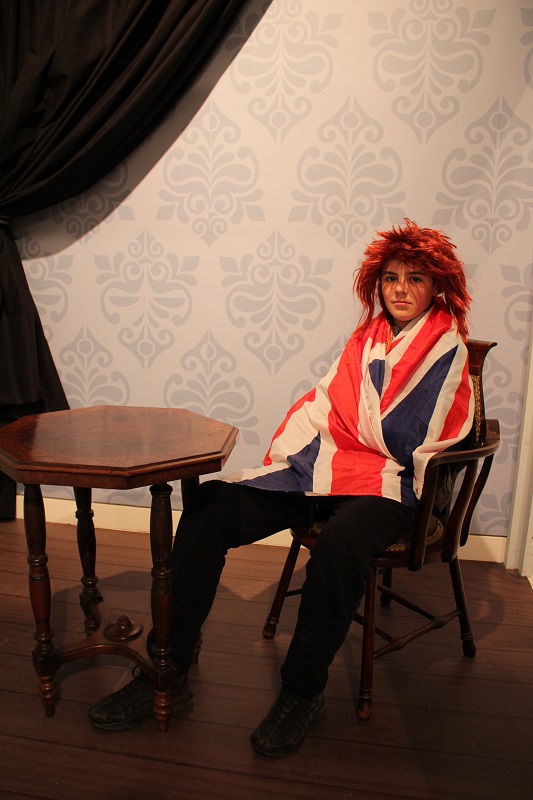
213 269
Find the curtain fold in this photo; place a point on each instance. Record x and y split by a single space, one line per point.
81 86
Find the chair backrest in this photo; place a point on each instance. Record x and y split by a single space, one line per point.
456 515
477 353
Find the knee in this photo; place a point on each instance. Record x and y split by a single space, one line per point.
340 552
206 494
202 525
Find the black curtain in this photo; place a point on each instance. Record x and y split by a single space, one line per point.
82 83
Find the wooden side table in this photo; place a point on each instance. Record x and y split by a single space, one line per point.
109 447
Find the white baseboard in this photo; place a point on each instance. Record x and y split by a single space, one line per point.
134 518
106 515
484 548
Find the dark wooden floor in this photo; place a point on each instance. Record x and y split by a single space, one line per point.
443 727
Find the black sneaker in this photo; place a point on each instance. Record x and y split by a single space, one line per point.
286 725
132 704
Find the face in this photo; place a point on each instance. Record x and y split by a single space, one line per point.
407 291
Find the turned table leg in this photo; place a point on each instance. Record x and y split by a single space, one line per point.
45 656
163 675
90 596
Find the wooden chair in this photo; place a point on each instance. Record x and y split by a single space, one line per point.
440 529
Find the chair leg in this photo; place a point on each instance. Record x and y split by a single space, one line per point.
364 706
269 630
469 646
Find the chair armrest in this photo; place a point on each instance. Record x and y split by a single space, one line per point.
458 523
451 456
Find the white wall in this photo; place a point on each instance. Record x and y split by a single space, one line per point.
212 270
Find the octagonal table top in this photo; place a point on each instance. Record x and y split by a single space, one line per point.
117 447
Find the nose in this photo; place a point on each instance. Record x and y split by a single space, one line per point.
401 286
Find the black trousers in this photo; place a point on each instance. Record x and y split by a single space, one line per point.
225 515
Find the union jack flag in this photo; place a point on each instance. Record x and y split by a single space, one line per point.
372 423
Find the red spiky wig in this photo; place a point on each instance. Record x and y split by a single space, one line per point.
424 248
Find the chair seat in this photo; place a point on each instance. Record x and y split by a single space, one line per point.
402 547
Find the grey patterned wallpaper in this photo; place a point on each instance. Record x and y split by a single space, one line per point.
213 269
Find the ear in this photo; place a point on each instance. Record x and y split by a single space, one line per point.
437 288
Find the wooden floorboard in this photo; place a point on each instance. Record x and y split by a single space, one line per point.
443 727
